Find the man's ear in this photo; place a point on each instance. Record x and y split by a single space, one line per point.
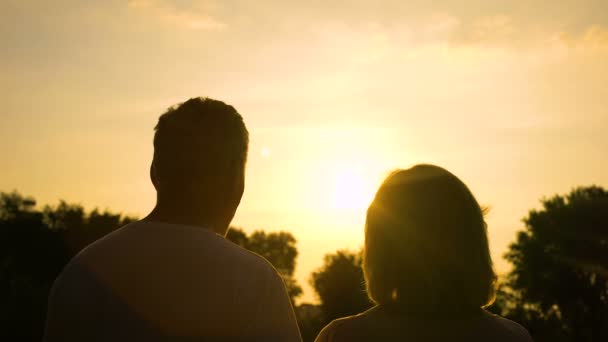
238 184
154 176
241 184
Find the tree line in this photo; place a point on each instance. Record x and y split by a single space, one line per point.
557 288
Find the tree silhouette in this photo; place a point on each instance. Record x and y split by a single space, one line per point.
31 256
340 285
561 265
543 326
34 248
279 248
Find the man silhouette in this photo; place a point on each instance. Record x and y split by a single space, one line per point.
173 275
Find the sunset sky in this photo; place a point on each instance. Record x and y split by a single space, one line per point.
511 96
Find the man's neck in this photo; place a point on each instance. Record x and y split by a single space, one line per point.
159 214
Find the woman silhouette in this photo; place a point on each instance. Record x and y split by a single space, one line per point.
427 266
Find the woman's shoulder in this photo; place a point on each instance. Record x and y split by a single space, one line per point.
328 333
338 329
367 325
507 327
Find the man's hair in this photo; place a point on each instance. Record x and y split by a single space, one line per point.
426 247
197 141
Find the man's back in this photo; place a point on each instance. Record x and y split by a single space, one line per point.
154 281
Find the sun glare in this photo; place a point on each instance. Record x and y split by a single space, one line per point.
265 152
352 190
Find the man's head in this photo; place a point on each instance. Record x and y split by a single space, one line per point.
198 170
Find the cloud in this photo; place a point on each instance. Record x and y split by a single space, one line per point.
486 30
593 39
596 35
476 23
194 17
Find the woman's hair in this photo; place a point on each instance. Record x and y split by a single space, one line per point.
426 248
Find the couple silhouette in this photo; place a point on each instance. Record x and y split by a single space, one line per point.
172 276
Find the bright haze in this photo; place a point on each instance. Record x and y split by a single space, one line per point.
510 96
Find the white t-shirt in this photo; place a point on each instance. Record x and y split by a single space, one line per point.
151 281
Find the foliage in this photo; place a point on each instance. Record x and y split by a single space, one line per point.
310 320
34 248
279 248
543 326
340 285
560 264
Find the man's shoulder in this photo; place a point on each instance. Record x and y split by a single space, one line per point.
247 257
103 242
143 240
78 263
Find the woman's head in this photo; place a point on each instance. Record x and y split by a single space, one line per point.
426 247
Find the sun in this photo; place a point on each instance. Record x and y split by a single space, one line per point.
352 190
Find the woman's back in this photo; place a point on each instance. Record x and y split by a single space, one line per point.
378 324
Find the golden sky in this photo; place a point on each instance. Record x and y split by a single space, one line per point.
511 96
